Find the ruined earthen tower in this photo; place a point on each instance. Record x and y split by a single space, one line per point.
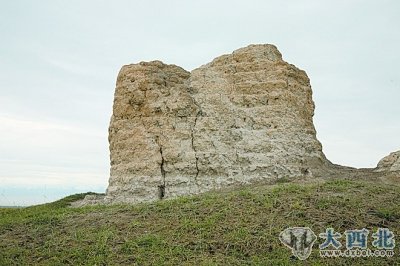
245 117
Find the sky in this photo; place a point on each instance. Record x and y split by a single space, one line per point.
59 61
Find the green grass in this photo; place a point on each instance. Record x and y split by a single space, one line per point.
229 228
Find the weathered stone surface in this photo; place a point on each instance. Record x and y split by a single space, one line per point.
390 163
88 201
245 117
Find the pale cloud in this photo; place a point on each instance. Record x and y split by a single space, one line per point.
55 154
21 136
52 177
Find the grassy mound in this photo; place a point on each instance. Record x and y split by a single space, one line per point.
227 228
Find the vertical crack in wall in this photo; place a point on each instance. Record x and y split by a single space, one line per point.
192 136
161 188
198 113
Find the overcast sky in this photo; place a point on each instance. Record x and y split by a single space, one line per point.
59 61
